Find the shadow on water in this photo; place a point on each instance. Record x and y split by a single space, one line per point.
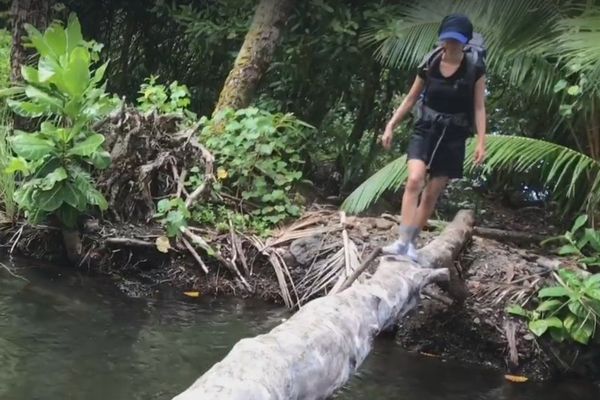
65 335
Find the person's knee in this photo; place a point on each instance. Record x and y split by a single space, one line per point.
414 184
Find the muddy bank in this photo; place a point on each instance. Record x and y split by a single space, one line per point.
308 258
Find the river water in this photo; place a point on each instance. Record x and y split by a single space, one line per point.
65 335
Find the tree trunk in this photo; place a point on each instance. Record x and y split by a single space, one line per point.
256 54
33 12
314 353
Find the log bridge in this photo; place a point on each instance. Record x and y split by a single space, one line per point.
313 353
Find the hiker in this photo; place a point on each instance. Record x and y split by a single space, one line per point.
449 94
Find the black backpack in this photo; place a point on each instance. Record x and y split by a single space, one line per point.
476 53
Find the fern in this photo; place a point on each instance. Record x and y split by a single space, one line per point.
572 177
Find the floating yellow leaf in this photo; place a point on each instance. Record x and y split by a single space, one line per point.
222 173
516 378
192 294
162 244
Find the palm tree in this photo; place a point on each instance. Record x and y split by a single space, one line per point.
548 49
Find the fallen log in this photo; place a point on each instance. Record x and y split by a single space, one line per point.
314 353
516 237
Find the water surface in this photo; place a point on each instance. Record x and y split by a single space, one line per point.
65 335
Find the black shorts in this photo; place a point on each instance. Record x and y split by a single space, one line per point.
448 158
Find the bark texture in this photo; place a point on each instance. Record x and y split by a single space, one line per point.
33 12
255 55
314 353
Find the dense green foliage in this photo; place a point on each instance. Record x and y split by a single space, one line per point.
259 157
570 310
66 90
7 182
342 66
581 242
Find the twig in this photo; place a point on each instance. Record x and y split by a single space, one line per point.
350 280
181 182
205 186
216 254
194 254
12 273
346 241
128 242
16 237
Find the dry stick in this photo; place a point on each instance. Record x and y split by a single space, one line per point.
128 242
350 280
346 241
231 267
195 254
17 235
12 273
205 186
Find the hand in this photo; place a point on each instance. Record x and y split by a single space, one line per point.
479 154
386 139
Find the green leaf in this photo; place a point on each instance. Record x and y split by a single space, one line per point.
58 175
163 206
88 146
555 291
31 147
568 249
574 90
540 326
73 34
30 74
50 200
558 334
96 198
27 109
560 85
582 332
54 36
579 222
51 102
518 310
578 309
101 159
77 73
73 196
549 305
17 164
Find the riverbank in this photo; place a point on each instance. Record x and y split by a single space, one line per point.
304 260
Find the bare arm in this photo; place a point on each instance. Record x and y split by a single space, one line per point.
480 114
408 103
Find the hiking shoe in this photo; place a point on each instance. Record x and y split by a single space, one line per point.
411 252
396 248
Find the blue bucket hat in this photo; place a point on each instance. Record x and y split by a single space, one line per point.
457 27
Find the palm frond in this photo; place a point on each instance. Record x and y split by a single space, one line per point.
573 178
516 32
390 177
578 44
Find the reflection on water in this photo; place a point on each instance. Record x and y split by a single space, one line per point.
68 336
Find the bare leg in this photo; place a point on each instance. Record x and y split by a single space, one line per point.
429 199
414 185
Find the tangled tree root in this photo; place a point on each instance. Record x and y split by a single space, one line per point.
151 157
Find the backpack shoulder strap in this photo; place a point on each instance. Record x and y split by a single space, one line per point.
429 58
472 60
